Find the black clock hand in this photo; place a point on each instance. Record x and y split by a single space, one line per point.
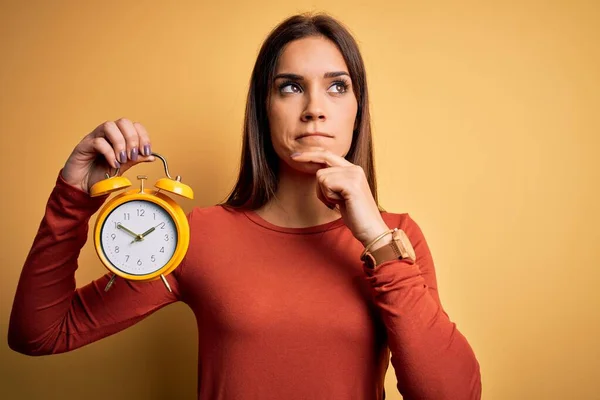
141 236
147 232
119 226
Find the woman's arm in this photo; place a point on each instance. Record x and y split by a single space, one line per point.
50 315
431 358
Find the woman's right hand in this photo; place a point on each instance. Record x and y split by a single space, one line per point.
113 144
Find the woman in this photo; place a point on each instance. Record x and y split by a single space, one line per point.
277 279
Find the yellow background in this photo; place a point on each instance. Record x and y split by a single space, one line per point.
486 130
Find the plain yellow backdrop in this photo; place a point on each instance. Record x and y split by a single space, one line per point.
486 127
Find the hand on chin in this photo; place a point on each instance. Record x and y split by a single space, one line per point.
306 167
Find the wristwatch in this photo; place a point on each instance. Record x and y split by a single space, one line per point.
399 248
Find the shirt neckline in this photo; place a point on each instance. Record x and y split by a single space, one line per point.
257 219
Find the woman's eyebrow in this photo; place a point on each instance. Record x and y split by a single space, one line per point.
335 74
293 77
297 77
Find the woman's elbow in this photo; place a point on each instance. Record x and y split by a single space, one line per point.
22 343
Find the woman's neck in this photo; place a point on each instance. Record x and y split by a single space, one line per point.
296 204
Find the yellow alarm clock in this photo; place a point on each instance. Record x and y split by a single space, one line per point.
141 234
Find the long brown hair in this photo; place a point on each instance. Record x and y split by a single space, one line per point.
257 180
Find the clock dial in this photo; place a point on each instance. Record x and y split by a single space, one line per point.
138 237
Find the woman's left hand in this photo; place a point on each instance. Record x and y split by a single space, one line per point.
343 183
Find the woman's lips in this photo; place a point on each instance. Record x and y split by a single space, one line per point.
315 134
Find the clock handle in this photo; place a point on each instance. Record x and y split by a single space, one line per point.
172 185
164 160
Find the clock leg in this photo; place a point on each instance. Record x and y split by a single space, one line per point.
110 282
165 282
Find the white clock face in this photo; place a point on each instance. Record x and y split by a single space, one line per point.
138 237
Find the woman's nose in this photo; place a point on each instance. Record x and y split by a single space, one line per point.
314 110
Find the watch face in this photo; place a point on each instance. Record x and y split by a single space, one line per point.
138 237
406 247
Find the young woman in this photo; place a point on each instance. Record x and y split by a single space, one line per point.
298 270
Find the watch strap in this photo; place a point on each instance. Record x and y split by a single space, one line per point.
399 248
386 253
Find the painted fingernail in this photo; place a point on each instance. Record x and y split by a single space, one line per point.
295 154
117 165
147 150
134 154
123 156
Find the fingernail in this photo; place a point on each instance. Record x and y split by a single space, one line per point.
117 165
295 154
123 156
147 151
134 154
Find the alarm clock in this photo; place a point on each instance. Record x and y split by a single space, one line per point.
141 234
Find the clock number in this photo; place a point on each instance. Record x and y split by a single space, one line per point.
116 249
126 216
140 212
166 237
139 262
154 215
126 257
162 250
113 236
117 225
153 258
162 225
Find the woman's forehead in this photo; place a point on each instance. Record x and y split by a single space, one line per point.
311 57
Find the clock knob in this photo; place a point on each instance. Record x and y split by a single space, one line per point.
142 178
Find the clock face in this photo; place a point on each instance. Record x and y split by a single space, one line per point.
138 237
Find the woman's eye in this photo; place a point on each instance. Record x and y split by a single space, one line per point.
289 88
338 87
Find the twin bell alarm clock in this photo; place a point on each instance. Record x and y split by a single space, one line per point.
141 234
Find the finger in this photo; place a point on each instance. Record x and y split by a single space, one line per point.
346 181
113 135
330 194
321 197
132 139
144 139
322 157
101 146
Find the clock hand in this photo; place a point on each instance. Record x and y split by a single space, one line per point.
151 230
148 231
141 236
119 226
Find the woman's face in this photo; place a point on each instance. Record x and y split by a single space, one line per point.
311 102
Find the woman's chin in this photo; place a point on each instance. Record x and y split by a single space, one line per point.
309 168
304 147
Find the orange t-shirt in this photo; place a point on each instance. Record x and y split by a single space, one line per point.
282 313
